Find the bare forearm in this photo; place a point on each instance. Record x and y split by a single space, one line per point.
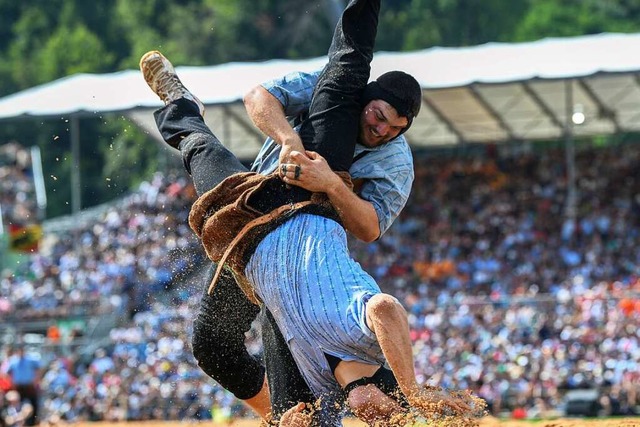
388 321
267 113
358 215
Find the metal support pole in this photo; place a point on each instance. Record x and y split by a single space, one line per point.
76 190
4 242
38 181
570 153
226 129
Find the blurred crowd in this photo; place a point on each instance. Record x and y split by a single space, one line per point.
117 262
511 291
17 192
146 372
509 295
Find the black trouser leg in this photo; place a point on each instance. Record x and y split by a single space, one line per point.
204 157
332 126
285 382
218 337
226 314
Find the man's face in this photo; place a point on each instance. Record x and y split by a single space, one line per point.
379 123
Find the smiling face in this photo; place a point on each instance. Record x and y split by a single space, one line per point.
379 123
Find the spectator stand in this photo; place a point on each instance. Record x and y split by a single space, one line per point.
523 310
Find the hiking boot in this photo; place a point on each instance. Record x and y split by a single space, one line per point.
163 80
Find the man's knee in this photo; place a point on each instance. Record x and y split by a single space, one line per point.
229 363
214 342
375 398
207 351
371 404
362 402
218 341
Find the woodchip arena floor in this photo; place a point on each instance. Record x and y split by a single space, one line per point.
485 422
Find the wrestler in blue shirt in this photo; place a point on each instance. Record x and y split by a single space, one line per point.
385 167
388 110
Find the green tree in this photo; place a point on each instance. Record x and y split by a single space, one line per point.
10 14
70 51
218 31
419 24
30 34
550 18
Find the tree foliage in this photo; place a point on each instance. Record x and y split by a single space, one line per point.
43 40
551 18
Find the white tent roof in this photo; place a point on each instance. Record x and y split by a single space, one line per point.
495 92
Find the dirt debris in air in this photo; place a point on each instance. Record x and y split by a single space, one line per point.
435 407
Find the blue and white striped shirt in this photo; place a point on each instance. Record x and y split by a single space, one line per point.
303 271
387 170
317 293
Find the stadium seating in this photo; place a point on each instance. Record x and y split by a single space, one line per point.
506 294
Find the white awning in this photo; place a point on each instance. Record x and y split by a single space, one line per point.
495 92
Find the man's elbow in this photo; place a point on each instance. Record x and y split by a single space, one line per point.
367 234
372 237
250 98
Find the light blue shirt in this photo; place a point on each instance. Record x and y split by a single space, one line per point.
317 294
23 370
387 170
